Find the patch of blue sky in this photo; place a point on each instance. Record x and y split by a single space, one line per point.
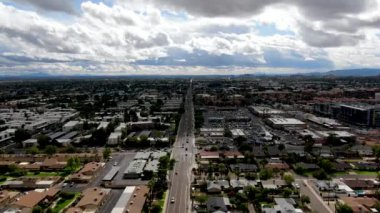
292 59
179 16
270 30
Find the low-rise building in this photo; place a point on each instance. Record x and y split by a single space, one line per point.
71 125
92 199
281 123
114 138
135 169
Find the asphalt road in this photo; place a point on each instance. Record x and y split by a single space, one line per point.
180 178
111 201
316 202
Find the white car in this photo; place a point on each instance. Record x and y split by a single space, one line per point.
172 200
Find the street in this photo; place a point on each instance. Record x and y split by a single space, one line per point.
316 202
184 153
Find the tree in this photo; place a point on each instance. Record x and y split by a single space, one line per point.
99 137
33 150
37 209
227 133
304 200
171 164
309 143
201 199
43 140
343 208
333 139
286 192
326 165
50 150
376 152
156 208
265 174
239 140
21 135
281 147
288 178
106 153
320 174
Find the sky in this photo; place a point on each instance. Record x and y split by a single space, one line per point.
187 37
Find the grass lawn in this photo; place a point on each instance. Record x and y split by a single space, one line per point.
43 174
340 173
61 205
371 173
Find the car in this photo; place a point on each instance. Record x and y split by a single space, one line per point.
185 149
172 200
176 173
115 164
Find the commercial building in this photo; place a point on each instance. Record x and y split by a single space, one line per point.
135 169
70 126
264 111
142 155
280 122
361 115
103 125
237 132
152 166
67 139
210 131
111 174
114 138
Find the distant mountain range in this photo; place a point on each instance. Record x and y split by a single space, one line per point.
337 73
350 72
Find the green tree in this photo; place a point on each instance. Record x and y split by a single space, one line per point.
227 133
106 153
43 140
50 150
326 165
281 147
239 140
171 164
343 208
33 150
333 139
309 143
37 209
155 208
21 135
288 178
201 199
320 174
265 174
376 152
304 200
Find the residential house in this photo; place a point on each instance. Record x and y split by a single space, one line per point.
92 199
218 204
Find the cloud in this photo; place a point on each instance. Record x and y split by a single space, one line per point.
320 38
66 6
217 36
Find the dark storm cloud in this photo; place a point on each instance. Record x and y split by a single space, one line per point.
66 6
319 38
319 9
